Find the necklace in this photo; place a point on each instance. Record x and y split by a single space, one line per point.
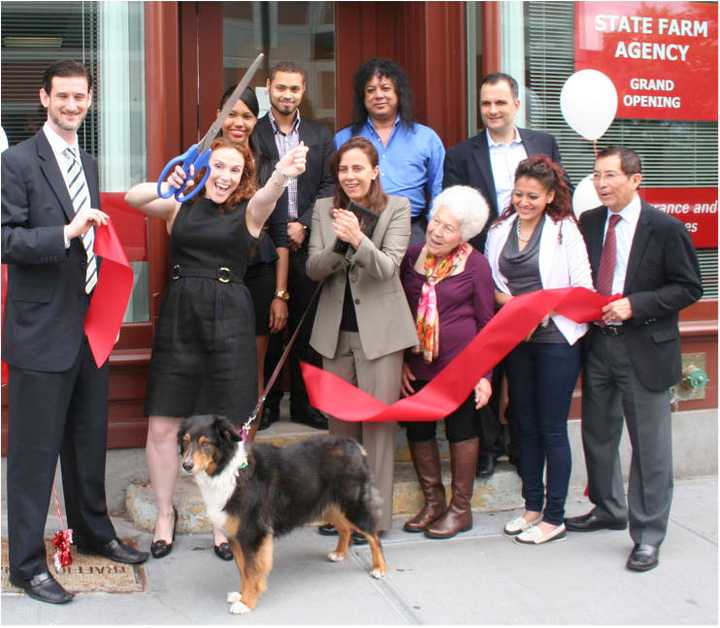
517 231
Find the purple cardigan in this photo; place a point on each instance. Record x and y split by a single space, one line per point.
466 302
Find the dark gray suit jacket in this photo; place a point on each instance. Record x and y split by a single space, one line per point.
317 181
468 163
46 300
663 276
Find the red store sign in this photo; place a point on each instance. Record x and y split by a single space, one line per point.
661 56
696 207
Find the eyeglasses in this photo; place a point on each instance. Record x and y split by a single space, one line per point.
438 224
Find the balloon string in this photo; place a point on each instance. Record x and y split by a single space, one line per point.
595 148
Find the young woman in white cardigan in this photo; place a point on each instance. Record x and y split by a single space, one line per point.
536 244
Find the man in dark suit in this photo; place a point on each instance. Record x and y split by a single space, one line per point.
57 396
632 356
276 133
488 162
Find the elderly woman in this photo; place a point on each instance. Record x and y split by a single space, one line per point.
449 287
363 324
536 244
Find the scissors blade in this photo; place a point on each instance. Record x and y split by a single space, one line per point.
214 129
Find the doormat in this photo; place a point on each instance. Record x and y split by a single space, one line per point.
88 573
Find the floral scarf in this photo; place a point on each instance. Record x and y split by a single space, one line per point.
427 321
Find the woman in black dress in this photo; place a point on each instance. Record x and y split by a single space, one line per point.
203 359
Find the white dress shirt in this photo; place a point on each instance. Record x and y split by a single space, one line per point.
624 233
504 160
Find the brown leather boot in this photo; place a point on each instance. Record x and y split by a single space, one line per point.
426 460
458 516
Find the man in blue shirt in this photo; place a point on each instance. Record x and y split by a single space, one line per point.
411 154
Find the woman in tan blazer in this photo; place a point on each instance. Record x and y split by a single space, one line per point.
363 323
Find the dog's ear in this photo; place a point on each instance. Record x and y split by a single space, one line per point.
184 426
226 430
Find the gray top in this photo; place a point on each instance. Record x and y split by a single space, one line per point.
522 270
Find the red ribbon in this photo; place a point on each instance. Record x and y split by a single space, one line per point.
451 387
111 295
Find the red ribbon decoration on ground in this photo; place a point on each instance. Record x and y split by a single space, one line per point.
515 320
111 295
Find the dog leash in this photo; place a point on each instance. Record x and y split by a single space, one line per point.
247 426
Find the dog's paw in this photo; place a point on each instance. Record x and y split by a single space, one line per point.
377 573
238 608
335 557
234 596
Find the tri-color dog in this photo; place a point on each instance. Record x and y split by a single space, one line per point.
255 492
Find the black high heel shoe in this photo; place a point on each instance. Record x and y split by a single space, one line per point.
160 549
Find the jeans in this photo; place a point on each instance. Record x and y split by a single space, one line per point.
541 379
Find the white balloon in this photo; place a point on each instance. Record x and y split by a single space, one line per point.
588 101
585 197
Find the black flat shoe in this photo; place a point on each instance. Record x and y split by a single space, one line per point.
223 551
327 529
160 549
44 588
358 539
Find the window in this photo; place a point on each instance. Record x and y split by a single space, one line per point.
675 154
302 32
107 37
538 49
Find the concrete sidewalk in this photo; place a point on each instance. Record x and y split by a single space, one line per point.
479 577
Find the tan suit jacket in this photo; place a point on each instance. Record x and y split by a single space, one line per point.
384 320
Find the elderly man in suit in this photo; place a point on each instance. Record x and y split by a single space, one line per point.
632 354
57 395
488 162
276 133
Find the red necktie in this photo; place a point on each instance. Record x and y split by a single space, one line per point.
608 258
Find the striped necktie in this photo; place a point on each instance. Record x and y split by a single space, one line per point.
80 197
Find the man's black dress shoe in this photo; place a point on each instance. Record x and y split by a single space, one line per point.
43 587
116 551
643 557
269 416
161 548
486 465
310 416
591 522
223 551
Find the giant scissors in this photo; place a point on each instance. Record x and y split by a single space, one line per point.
198 155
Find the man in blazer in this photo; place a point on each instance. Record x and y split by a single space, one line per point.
632 356
276 133
487 162
57 396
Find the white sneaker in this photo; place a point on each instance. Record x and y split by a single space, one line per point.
519 524
534 536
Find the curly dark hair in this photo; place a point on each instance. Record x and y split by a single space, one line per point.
381 68
377 199
552 177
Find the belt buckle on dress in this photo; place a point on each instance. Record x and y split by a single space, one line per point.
176 272
224 274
